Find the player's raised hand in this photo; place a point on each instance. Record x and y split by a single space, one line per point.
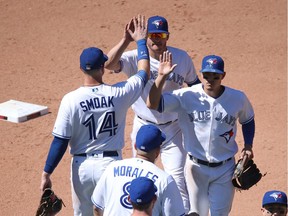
129 26
165 66
138 28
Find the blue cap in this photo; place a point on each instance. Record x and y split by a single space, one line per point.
157 24
212 63
92 58
274 197
149 137
142 190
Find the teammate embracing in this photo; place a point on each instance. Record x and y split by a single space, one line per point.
92 120
172 152
208 115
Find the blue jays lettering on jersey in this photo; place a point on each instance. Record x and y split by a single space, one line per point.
173 77
205 115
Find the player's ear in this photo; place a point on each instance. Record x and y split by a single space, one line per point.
223 75
129 199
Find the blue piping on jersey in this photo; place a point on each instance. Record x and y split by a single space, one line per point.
197 81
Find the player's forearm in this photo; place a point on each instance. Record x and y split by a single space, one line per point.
114 55
56 152
155 93
143 57
248 131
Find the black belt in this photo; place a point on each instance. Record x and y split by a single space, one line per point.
105 154
206 163
169 122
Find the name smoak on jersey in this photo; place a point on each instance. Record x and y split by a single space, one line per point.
96 103
206 115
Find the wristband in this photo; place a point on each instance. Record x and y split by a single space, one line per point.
142 50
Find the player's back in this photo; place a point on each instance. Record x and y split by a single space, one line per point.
93 118
114 185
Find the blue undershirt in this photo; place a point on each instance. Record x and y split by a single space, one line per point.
56 152
248 131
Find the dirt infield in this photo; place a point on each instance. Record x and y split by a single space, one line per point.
40 46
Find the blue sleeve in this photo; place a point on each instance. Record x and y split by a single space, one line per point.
56 152
197 81
142 50
248 131
143 76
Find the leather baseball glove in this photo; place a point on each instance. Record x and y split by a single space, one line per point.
246 175
50 204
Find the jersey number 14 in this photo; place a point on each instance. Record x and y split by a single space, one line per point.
108 125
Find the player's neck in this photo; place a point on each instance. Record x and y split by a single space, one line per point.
141 213
215 93
155 54
92 81
91 84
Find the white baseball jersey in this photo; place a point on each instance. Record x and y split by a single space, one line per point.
209 125
93 118
111 192
184 72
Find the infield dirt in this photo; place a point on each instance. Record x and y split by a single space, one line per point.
40 46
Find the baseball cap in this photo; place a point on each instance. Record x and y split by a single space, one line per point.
212 63
149 137
92 58
142 190
157 24
274 197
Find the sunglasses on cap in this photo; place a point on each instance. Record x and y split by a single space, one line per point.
158 35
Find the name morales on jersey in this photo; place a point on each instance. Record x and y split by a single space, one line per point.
205 115
177 78
133 172
97 102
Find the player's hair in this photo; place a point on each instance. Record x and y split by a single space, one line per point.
92 72
141 207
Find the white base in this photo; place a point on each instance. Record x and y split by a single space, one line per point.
18 111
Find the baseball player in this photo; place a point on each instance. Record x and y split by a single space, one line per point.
142 196
274 203
111 192
172 153
92 120
208 115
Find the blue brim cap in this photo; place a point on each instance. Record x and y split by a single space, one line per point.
142 190
213 64
92 58
274 197
157 24
149 137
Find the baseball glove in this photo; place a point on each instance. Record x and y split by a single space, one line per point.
50 204
246 175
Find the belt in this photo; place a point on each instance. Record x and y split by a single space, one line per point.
206 163
105 154
169 122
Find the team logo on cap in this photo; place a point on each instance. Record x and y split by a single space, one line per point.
157 23
276 195
88 67
212 61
